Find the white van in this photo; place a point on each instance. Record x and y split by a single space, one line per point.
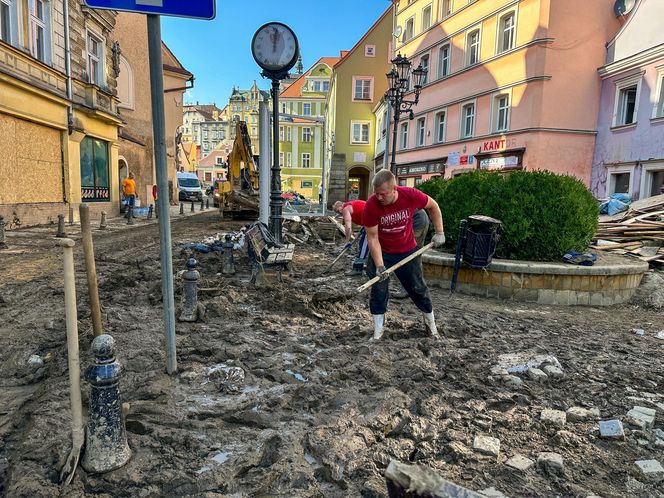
189 187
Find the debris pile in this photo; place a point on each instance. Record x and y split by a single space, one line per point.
637 232
313 230
214 243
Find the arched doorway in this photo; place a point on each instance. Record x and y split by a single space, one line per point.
357 186
123 172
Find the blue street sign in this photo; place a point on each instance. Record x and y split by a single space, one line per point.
198 9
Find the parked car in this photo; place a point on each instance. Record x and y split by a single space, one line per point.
189 187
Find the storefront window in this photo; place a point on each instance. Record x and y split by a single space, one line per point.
94 170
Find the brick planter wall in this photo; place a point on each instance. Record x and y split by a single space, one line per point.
612 280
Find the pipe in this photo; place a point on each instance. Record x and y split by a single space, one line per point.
90 269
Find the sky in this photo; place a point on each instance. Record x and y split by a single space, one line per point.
218 52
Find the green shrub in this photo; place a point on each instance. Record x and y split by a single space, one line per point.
544 215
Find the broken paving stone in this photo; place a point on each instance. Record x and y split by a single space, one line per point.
498 371
551 463
491 493
487 445
651 470
513 380
537 375
553 417
553 371
638 332
520 462
660 335
580 414
611 429
642 417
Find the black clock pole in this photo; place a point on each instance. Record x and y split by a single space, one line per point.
276 201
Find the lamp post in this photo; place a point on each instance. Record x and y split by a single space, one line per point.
399 82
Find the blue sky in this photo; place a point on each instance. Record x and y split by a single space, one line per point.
218 52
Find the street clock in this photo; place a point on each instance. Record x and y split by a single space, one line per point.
275 49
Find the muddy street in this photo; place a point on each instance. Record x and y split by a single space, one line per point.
279 391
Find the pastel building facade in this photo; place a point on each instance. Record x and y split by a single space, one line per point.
511 84
629 152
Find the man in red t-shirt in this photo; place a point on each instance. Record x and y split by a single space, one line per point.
388 221
352 212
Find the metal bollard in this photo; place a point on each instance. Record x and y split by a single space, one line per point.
202 205
102 223
156 211
130 215
192 206
150 211
228 265
61 226
3 244
207 203
71 215
190 292
182 208
106 445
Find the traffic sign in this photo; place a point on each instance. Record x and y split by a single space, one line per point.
198 9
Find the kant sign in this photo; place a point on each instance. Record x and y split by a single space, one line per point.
501 144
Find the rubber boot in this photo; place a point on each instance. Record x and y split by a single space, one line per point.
430 324
379 327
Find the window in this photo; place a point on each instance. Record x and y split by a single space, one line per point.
360 132
404 135
421 132
418 181
626 102
281 159
306 134
619 182
283 108
326 85
289 158
306 184
306 160
306 109
440 126
95 60
6 23
426 17
125 86
446 9
473 47
94 170
424 61
207 176
370 50
467 120
317 86
501 113
38 18
652 179
281 133
444 61
254 131
658 108
362 89
506 33
410 29
289 134
219 161
403 182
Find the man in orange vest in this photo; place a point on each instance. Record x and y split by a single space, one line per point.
129 191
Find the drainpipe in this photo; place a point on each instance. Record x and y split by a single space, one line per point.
70 93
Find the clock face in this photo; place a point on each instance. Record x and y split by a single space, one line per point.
275 47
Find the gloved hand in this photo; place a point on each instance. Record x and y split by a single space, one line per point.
438 240
380 272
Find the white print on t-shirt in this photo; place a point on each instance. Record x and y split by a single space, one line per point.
394 219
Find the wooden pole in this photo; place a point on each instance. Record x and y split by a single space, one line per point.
90 269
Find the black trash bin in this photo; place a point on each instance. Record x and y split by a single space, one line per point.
482 235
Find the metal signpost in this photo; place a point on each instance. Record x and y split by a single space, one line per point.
200 9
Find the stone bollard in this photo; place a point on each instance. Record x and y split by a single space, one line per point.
192 206
207 203
228 265
61 226
130 215
150 209
3 244
202 205
71 215
106 445
102 223
190 292
182 208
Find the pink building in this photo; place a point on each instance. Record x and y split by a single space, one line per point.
510 85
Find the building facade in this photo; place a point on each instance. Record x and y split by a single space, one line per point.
358 85
243 106
206 126
301 129
511 84
629 152
59 131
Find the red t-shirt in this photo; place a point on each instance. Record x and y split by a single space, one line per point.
358 210
395 222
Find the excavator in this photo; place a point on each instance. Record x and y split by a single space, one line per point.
238 194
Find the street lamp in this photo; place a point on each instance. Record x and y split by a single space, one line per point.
399 81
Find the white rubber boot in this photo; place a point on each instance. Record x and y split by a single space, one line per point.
430 324
379 325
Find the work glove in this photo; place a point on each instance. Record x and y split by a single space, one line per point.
381 272
438 240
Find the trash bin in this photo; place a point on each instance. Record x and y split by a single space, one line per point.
482 235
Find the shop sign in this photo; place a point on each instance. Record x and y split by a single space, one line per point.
500 144
420 169
463 160
499 162
453 159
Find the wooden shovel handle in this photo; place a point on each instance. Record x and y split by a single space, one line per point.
395 267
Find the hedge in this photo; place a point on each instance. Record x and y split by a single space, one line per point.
544 215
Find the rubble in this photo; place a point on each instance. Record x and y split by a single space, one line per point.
611 429
520 462
487 445
551 463
642 417
553 417
651 470
580 414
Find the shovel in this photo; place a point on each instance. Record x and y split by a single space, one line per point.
395 267
335 260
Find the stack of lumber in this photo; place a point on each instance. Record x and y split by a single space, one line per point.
638 232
